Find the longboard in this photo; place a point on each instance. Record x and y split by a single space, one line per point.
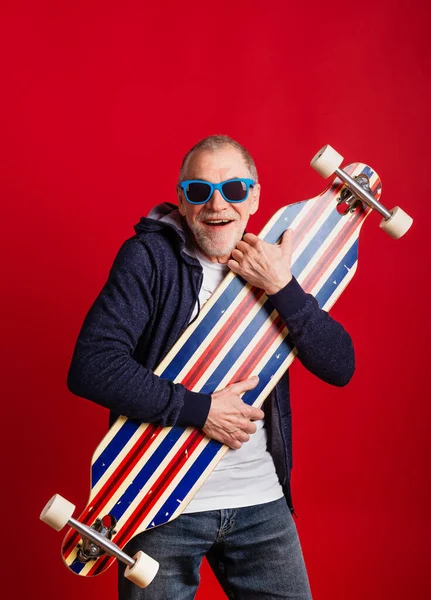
144 475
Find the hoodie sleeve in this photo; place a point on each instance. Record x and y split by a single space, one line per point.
323 345
103 368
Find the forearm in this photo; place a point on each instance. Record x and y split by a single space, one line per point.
324 346
119 383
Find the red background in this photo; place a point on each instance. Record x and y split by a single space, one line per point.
99 102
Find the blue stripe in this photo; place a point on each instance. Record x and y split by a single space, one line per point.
367 171
284 221
316 241
110 453
338 274
269 369
238 348
76 566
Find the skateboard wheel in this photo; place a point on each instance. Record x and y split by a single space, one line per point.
326 161
143 571
57 512
398 224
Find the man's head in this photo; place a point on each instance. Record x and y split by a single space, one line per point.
218 225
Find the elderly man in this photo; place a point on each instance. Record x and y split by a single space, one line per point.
241 518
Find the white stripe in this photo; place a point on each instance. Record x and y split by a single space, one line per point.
247 351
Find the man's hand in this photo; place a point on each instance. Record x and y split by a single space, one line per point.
264 265
230 420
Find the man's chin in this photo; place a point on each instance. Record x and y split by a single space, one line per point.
217 244
214 248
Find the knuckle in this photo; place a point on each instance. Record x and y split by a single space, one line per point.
247 411
242 436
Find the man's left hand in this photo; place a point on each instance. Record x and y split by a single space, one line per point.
263 265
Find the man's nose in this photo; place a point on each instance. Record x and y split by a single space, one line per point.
217 203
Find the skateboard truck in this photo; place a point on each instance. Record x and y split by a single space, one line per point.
141 569
348 200
89 549
327 162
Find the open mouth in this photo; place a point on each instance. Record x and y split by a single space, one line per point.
218 222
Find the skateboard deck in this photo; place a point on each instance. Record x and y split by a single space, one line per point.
143 475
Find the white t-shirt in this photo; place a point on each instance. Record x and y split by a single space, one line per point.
247 476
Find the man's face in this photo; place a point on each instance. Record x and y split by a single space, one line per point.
217 240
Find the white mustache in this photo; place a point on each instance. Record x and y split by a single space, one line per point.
207 215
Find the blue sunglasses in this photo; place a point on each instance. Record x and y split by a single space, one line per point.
198 191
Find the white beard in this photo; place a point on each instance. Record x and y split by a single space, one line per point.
217 242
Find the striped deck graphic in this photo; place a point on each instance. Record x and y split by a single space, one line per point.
145 475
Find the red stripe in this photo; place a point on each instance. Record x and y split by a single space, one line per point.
265 342
224 334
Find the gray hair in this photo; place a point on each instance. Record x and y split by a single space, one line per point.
214 143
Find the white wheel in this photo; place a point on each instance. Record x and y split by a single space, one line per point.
398 224
326 161
57 512
143 571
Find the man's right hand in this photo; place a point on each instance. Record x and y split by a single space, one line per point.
229 419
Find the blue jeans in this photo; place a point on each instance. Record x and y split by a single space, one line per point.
254 552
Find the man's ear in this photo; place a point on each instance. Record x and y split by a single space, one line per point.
181 201
255 197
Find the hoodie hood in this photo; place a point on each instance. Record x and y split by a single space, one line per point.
161 215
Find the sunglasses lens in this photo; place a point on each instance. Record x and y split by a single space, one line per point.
235 190
198 192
